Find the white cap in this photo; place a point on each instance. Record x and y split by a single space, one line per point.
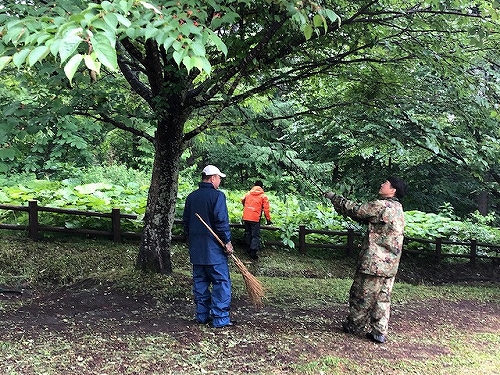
210 170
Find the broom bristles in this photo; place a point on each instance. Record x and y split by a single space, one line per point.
254 288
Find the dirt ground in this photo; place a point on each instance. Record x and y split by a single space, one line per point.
291 332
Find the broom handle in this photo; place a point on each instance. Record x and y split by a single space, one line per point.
215 234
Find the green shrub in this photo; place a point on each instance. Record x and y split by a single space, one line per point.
127 189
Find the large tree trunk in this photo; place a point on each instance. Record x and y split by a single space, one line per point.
482 203
154 251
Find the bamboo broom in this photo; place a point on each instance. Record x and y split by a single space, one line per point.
254 288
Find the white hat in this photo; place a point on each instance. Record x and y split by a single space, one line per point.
210 170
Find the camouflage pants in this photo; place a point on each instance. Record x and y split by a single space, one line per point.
370 303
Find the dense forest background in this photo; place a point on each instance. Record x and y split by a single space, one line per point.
307 98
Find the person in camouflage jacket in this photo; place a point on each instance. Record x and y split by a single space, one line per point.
378 260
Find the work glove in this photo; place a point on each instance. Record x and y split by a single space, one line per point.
337 200
269 222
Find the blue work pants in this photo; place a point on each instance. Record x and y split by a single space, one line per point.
214 302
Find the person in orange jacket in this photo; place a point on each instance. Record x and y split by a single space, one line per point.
254 203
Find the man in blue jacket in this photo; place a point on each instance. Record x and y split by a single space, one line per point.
209 258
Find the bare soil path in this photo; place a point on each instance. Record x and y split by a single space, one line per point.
270 340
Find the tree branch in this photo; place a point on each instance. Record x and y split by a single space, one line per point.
131 76
117 124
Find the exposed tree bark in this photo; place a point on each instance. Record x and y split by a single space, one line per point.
482 203
154 253
166 97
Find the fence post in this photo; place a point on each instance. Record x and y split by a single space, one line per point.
115 225
302 239
439 249
473 252
33 220
350 242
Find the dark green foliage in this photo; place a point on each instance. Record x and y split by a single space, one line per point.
289 211
390 87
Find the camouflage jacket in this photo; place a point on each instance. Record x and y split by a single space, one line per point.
383 242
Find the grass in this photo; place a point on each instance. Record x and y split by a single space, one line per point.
303 293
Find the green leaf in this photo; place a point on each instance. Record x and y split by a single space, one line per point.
69 44
168 42
308 31
124 5
14 34
106 53
198 48
131 33
318 20
4 198
123 20
7 153
332 16
92 188
111 20
107 6
43 38
205 65
20 57
199 62
72 66
54 44
150 6
150 32
217 42
189 28
4 60
188 63
38 54
178 56
91 63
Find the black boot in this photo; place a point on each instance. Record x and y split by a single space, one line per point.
253 254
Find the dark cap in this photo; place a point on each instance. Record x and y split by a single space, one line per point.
399 185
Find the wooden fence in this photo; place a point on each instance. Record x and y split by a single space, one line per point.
34 227
350 245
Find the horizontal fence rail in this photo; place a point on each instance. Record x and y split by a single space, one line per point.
350 245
